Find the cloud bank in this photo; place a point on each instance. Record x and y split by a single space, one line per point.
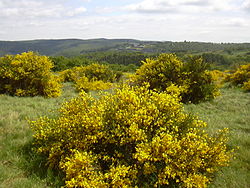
176 20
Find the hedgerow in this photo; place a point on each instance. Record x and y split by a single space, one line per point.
192 76
135 137
28 74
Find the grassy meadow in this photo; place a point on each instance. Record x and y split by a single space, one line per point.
230 110
20 167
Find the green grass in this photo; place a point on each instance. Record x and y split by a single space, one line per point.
230 110
21 167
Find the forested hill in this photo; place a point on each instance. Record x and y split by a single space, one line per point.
74 47
66 47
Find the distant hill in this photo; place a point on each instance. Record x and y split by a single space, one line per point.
67 47
74 47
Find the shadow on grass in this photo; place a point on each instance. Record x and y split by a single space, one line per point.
34 164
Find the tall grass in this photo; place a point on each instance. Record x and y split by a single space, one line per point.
20 167
230 110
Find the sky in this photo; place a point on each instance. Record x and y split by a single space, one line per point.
159 20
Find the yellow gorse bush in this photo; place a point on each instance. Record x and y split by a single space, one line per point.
240 77
135 137
28 74
84 84
218 77
160 72
192 76
246 85
94 71
91 77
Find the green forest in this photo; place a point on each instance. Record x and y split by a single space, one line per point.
127 54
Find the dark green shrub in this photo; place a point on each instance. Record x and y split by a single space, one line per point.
201 84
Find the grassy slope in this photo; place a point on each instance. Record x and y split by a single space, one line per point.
230 110
20 167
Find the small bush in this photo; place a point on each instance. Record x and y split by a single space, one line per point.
198 80
218 77
92 72
135 137
84 84
161 72
99 72
240 77
192 76
28 74
246 85
91 77
67 75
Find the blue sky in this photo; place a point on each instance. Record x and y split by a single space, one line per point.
162 20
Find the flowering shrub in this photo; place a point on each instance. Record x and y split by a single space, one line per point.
91 77
84 84
28 74
240 77
161 72
199 81
217 75
135 137
246 85
99 72
67 75
92 72
192 76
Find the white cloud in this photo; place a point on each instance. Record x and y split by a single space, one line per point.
237 22
2 32
180 6
150 6
31 9
246 5
20 3
151 27
107 10
1 4
76 11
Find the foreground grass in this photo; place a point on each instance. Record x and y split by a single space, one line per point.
22 168
230 110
